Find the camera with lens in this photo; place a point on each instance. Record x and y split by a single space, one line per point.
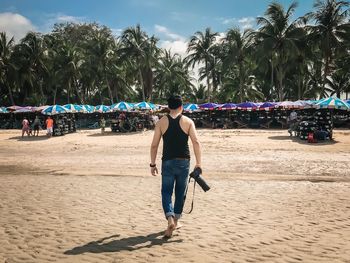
196 175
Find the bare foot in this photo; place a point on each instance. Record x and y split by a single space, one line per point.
171 227
178 225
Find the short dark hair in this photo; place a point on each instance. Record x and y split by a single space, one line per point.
174 102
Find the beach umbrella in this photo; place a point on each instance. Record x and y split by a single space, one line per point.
348 102
227 106
73 108
53 110
102 109
144 106
208 106
14 107
332 103
121 106
267 106
39 108
24 110
87 108
247 106
285 104
3 110
191 107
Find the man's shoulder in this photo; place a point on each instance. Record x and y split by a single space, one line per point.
187 119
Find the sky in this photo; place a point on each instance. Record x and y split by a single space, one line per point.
171 21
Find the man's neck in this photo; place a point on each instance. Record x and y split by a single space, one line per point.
174 113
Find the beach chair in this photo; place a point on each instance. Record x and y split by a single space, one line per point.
265 123
94 126
283 123
240 124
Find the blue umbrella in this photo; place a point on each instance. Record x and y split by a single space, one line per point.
228 106
121 106
191 107
267 106
145 106
102 108
53 110
88 108
348 102
3 110
73 108
208 106
332 103
247 105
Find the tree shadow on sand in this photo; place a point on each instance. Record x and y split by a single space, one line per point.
298 140
29 138
124 244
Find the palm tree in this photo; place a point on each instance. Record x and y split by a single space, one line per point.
237 57
330 31
5 64
143 51
279 40
200 49
171 75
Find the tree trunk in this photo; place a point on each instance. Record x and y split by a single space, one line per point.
142 85
208 79
77 91
54 95
10 94
240 83
109 90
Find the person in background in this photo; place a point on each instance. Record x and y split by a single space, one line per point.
25 126
49 126
103 124
36 124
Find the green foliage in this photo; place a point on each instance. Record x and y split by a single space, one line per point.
305 58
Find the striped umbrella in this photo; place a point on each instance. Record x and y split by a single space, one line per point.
88 108
332 103
227 106
144 106
191 107
73 108
3 110
122 106
208 106
53 110
267 106
247 106
102 109
285 104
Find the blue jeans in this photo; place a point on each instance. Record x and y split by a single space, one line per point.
174 172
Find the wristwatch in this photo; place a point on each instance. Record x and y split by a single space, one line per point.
152 165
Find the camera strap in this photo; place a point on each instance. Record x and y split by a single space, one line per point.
194 188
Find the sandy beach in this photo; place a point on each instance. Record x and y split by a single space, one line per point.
87 197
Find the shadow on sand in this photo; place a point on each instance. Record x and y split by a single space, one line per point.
29 138
296 139
110 244
109 133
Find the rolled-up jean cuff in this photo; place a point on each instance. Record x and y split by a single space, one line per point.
178 216
169 214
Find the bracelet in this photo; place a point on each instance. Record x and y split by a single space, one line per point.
152 165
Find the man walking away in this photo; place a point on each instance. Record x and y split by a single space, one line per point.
175 129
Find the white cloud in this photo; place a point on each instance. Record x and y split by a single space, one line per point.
167 33
176 46
116 31
243 23
15 25
57 18
246 22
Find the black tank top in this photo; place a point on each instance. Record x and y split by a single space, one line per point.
175 141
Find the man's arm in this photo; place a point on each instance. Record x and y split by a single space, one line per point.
154 147
196 144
